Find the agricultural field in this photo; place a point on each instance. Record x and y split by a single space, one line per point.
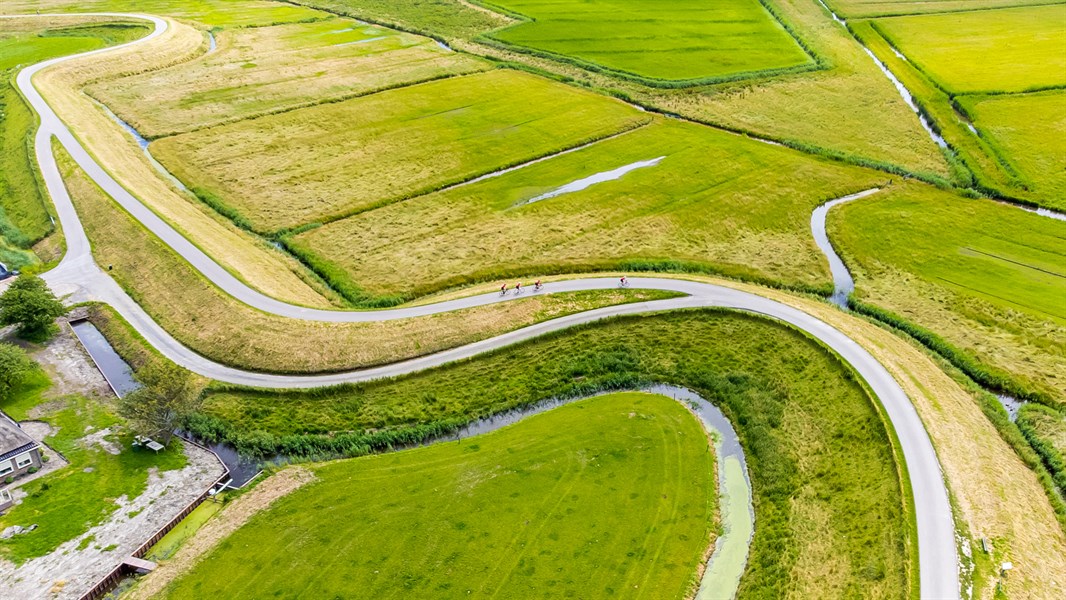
671 41
698 198
282 171
986 277
826 490
223 329
24 214
216 13
261 70
1029 131
1008 50
880 8
531 496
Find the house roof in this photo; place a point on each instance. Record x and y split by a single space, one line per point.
13 440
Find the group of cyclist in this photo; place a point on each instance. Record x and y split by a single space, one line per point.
537 286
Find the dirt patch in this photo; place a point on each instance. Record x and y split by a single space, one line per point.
69 572
219 528
37 430
70 368
46 408
99 438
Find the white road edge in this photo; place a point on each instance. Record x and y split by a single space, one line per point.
78 276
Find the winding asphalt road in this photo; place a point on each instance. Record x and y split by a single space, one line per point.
80 278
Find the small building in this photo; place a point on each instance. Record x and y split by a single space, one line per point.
18 451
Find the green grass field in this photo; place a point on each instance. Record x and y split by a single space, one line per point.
716 201
1045 430
24 215
216 13
447 18
68 502
669 40
1009 50
829 519
987 277
323 162
1029 131
268 69
609 494
874 8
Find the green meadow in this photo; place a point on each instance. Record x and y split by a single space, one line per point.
986 277
1028 131
607 496
825 486
1008 50
669 40
879 8
714 202
327 161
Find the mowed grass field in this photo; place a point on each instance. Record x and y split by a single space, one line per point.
269 69
1029 131
24 212
829 516
715 201
320 163
219 13
1008 50
987 277
668 40
607 496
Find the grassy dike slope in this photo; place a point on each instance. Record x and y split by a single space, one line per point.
223 329
986 277
830 519
609 496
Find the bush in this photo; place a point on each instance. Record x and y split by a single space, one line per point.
30 305
14 366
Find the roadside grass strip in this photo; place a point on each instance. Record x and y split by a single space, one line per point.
829 518
608 494
1007 50
987 277
667 41
256 71
1028 131
70 501
324 162
715 201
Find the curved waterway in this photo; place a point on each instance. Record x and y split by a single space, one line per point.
143 143
843 283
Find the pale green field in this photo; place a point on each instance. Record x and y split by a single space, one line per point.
668 40
219 13
716 201
327 161
1029 131
987 277
1008 50
873 8
267 69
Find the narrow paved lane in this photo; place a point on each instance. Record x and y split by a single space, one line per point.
79 276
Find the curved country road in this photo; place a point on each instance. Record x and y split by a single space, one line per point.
79 276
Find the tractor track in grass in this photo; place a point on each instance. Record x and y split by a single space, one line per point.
78 276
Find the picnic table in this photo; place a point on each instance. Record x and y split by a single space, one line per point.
147 442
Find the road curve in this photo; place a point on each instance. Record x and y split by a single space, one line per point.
80 277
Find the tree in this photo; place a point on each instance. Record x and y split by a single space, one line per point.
29 304
167 395
14 366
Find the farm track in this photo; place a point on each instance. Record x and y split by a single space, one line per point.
78 276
